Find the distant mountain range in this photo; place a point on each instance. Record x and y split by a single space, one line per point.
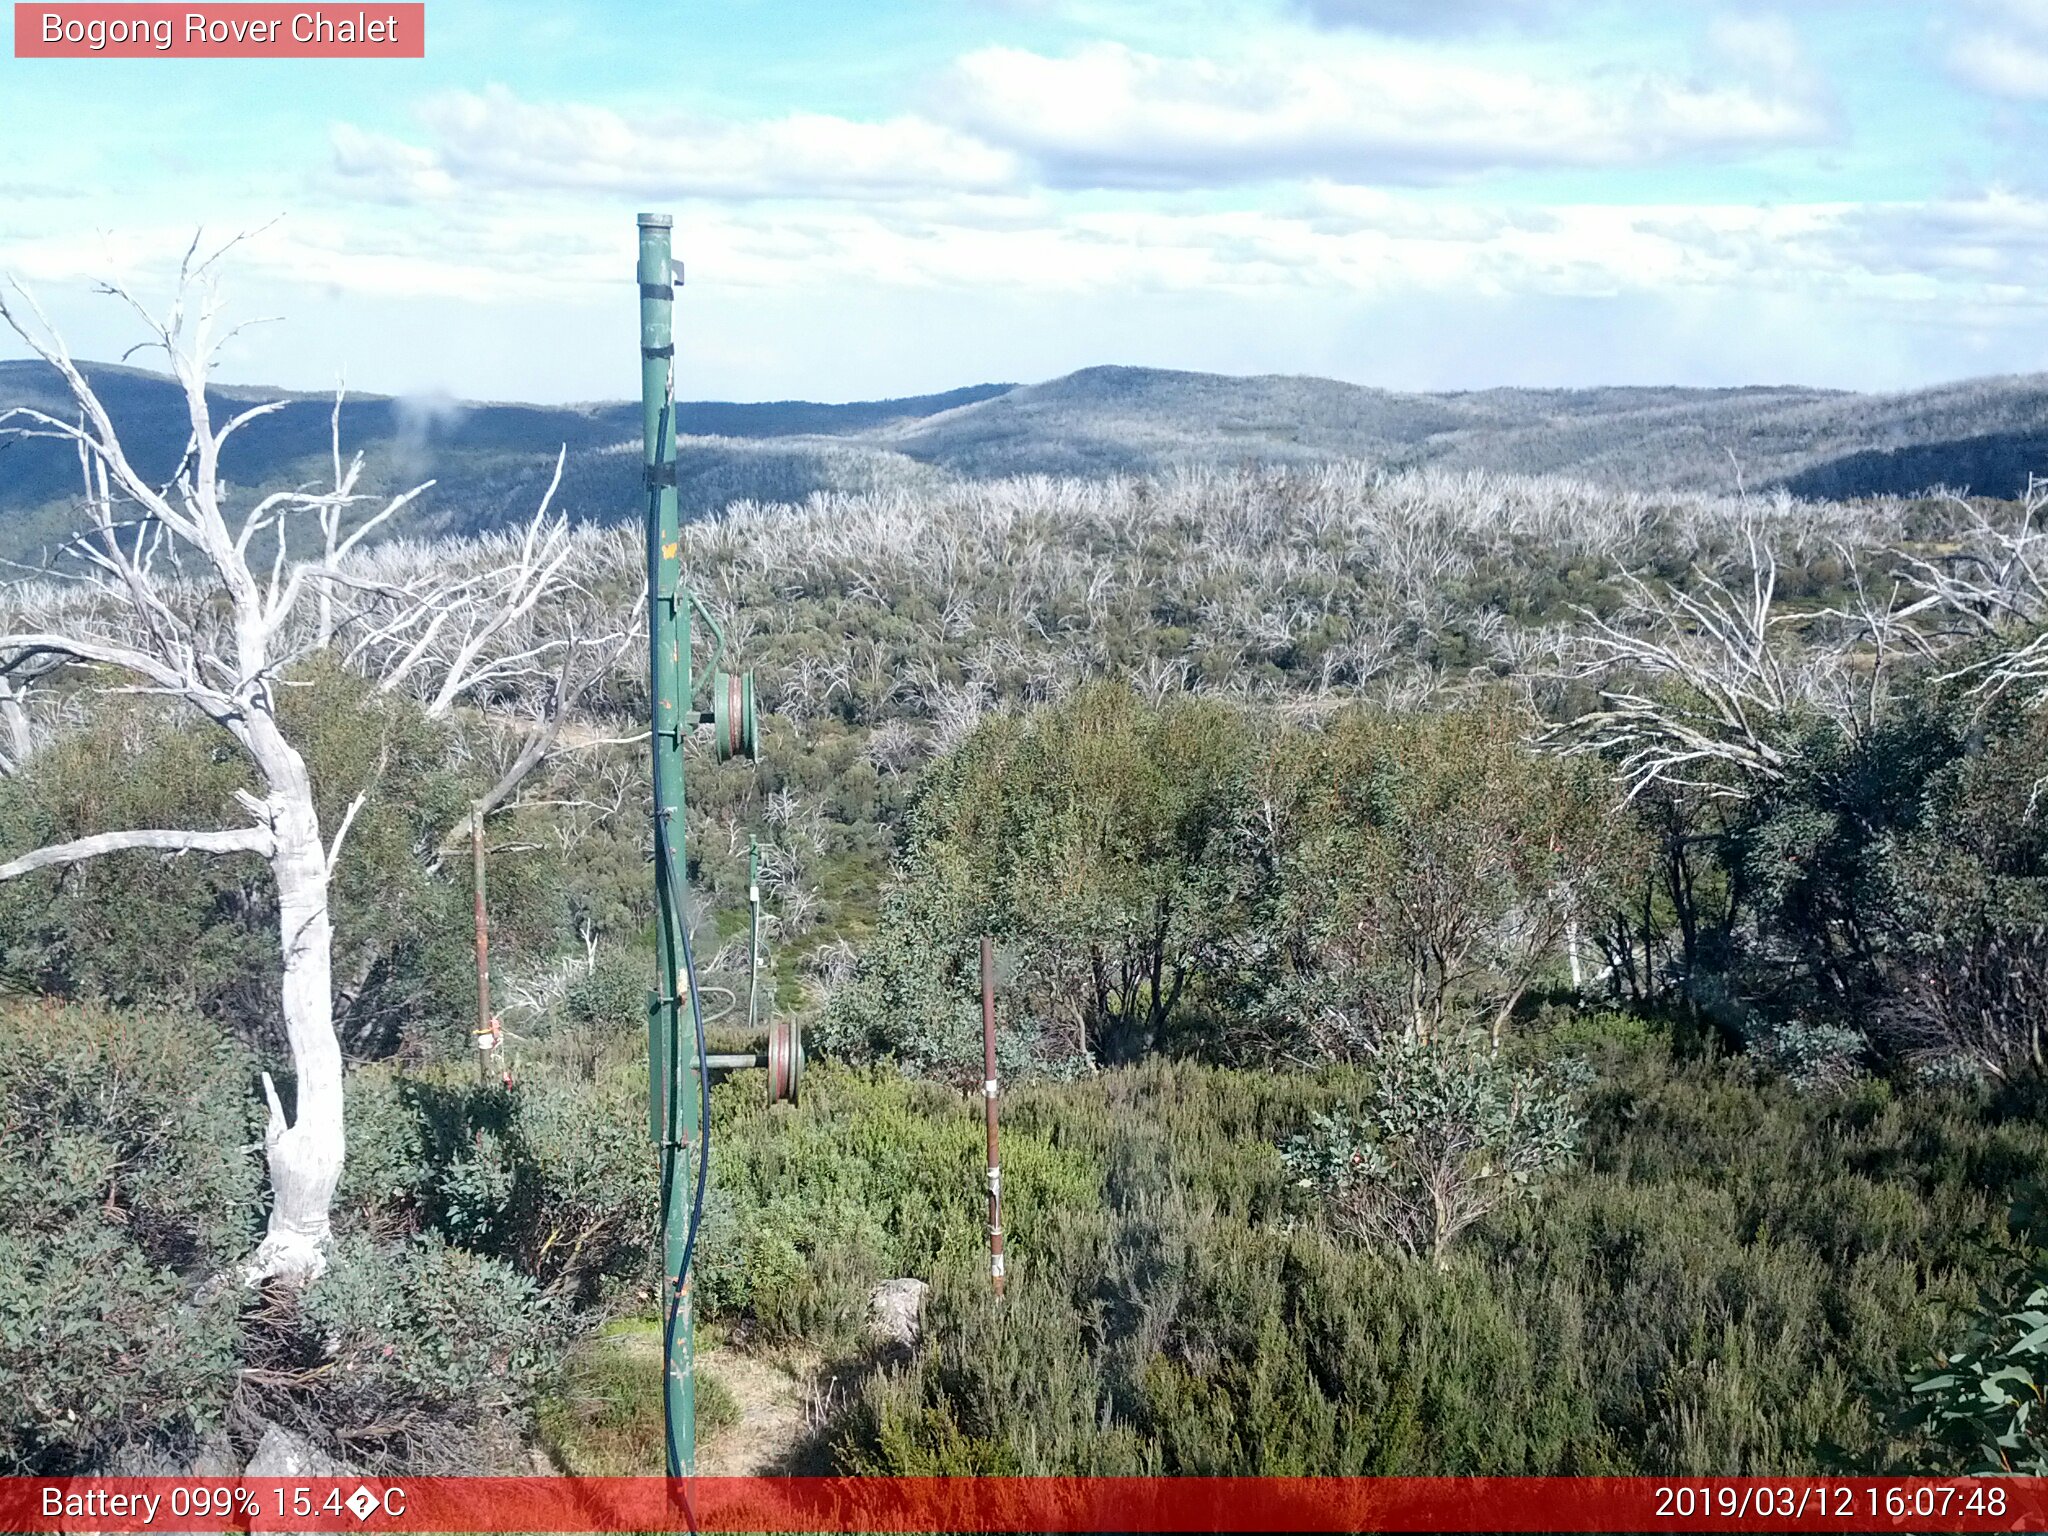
491 461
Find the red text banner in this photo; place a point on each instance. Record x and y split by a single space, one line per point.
241 30
1023 1504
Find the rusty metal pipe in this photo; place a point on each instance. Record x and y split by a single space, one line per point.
989 1091
486 1027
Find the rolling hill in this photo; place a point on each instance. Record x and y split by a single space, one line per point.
491 461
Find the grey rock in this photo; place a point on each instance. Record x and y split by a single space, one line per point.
280 1453
896 1312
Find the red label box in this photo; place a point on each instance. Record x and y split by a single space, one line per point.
250 29
1155 1506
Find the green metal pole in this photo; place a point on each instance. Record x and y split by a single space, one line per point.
673 1076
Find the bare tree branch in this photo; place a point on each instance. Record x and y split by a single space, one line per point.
1730 690
1995 589
232 840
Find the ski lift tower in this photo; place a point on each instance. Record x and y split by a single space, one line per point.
677 1062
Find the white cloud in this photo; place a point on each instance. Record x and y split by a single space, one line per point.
1990 244
795 288
1345 240
1005 119
1324 237
2002 50
2001 65
1765 46
1108 115
494 140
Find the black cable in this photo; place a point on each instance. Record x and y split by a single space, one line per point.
669 1143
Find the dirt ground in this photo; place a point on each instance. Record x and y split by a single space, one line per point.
772 1395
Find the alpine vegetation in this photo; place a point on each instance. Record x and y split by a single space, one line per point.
1493 974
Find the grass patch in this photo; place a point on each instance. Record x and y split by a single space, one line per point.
603 1415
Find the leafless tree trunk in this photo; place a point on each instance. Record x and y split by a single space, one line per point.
305 1155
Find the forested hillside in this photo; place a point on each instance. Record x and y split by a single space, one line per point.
487 459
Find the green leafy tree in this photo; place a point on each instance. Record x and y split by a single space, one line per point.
1963 900
1426 871
1187 875
1098 840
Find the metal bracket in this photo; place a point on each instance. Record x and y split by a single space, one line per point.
698 680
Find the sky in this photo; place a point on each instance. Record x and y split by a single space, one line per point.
888 197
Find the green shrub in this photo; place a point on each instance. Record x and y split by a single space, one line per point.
386 1177
1451 1133
1728 1283
554 1176
1815 1057
128 1178
483 1228
612 994
422 1345
1985 1406
876 1176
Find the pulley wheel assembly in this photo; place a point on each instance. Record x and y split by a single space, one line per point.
732 715
785 1061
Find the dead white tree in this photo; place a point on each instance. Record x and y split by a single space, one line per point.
176 597
1729 688
445 638
1994 590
